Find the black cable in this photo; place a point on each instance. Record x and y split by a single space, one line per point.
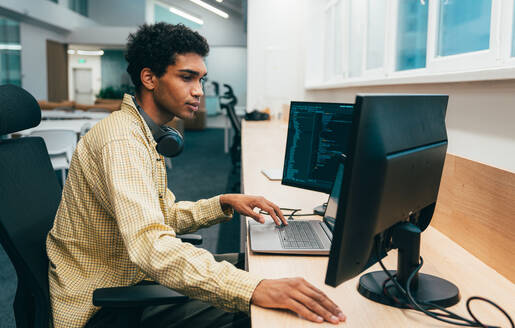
470 299
415 306
292 214
438 316
419 308
466 323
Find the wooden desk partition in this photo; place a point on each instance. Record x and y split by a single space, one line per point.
476 209
263 145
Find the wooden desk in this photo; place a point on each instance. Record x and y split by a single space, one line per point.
263 145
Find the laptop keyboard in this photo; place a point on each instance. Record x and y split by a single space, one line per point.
298 234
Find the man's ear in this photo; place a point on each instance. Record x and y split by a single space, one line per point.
148 79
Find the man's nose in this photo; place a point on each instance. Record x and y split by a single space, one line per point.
197 91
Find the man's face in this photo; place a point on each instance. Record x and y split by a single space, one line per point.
180 88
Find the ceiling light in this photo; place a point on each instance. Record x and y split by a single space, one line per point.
10 46
186 15
211 8
219 0
71 52
90 52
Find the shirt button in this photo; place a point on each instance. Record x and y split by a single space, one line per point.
160 195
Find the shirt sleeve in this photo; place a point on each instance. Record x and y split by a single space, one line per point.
187 217
152 244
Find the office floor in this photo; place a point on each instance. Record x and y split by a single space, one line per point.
203 170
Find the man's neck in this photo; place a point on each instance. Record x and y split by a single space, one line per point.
147 103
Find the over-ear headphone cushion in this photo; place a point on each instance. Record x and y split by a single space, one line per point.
170 142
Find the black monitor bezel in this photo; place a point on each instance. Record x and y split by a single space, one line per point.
350 183
286 182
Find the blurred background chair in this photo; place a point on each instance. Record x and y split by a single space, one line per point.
60 144
228 102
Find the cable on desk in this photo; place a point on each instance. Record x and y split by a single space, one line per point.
425 307
479 298
292 214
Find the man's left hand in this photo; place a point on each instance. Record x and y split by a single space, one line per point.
245 205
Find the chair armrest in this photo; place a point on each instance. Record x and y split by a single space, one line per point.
191 238
136 296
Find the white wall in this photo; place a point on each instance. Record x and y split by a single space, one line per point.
117 12
276 52
91 62
229 65
480 115
33 58
101 35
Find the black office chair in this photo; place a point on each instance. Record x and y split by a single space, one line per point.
29 198
228 102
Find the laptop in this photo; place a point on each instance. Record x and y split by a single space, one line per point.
308 237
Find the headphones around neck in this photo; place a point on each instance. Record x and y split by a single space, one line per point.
170 142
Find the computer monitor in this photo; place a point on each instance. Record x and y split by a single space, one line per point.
317 133
388 194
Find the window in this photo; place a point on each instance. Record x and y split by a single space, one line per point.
339 68
463 26
333 41
376 19
329 43
369 41
356 36
10 52
513 33
79 6
411 35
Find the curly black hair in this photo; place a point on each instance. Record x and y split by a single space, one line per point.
156 46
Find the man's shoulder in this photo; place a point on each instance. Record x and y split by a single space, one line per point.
120 125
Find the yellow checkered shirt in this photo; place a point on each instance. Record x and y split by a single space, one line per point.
117 224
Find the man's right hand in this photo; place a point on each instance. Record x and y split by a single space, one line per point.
299 296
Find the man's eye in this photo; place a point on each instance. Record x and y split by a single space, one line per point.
187 78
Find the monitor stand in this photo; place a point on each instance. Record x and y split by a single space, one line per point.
320 209
424 287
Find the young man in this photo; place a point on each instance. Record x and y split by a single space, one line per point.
117 221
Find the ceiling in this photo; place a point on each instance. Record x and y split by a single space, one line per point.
230 5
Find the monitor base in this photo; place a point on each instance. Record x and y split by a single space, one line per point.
320 209
430 289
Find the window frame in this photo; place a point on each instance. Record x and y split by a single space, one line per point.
382 70
464 61
329 42
496 63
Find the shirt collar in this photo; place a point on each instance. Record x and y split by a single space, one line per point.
129 107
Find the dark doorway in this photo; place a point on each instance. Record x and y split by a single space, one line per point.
57 70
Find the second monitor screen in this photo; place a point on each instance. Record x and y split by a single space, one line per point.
317 134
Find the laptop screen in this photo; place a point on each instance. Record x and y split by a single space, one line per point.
317 133
332 203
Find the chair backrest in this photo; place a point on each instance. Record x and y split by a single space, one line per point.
235 121
84 129
58 141
29 198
